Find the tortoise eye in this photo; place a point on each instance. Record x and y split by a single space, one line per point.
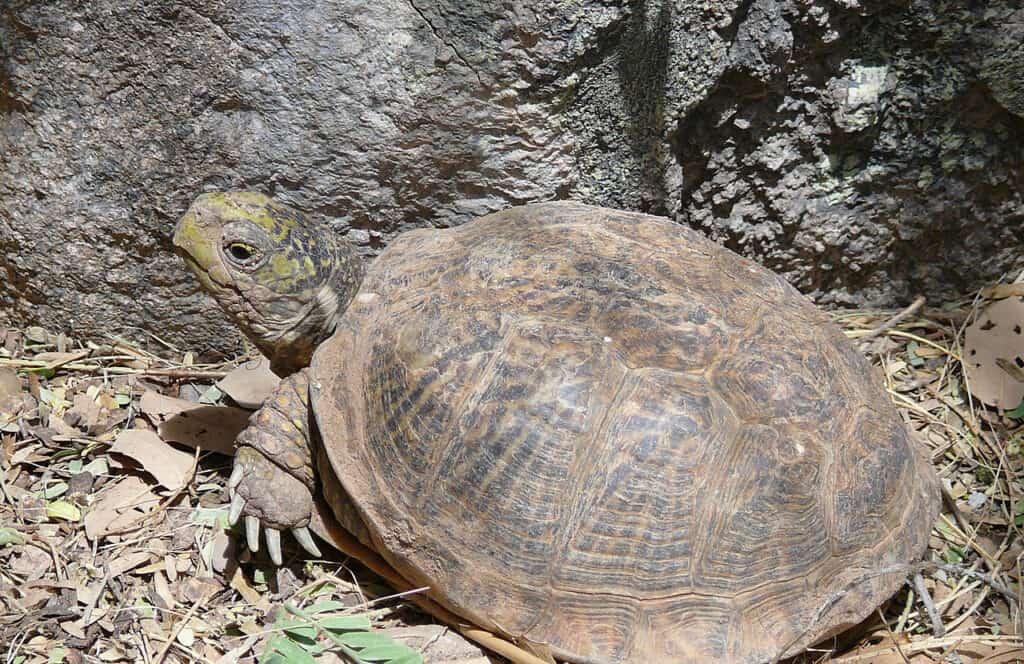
241 252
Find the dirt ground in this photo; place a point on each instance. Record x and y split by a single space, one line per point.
114 543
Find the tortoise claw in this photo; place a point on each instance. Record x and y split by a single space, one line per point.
237 504
252 533
236 477
303 537
274 545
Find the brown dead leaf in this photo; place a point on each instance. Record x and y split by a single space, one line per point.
1000 291
212 428
122 564
33 598
191 590
250 384
224 553
31 562
239 583
992 343
119 506
75 628
163 590
86 414
991 654
10 390
171 467
58 359
232 656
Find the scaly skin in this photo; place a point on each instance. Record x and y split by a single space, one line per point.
273 480
282 278
286 281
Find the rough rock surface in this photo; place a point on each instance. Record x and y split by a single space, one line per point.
869 150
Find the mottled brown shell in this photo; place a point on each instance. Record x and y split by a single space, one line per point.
599 431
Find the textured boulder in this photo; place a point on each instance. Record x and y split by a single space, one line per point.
868 150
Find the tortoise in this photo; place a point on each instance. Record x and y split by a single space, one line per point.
594 433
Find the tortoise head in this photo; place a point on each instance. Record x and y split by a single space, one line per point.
283 279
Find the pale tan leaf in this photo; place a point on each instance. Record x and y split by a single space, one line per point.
163 590
993 344
1000 291
31 562
10 389
122 564
212 428
171 467
223 553
75 628
186 637
250 384
119 506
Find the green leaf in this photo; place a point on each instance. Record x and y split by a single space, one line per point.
953 555
411 658
211 516
345 623
67 452
10 536
75 466
122 399
211 396
57 655
326 605
359 640
299 628
915 359
273 657
1018 412
97 467
144 609
43 372
270 654
62 509
54 490
385 653
290 651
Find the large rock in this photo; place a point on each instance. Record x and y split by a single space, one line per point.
867 150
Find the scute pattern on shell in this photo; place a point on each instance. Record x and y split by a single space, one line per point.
601 431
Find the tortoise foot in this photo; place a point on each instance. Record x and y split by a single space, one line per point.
270 497
273 478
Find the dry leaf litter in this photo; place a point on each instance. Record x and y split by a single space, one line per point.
114 544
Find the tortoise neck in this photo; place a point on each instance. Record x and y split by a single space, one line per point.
292 349
347 276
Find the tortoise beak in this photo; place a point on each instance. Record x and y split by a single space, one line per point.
196 241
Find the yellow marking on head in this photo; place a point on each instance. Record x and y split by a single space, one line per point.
190 237
255 207
265 213
284 271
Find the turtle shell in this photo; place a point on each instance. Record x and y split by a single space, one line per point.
599 431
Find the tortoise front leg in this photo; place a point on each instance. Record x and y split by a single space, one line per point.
273 480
